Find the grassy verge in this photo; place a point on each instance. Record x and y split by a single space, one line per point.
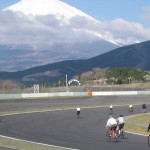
25 145
137 123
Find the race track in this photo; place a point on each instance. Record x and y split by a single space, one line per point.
62 128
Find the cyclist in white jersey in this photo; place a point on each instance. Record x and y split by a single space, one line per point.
111 124
78 111
120 121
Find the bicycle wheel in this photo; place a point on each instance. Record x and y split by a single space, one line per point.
108 137
148 140
122 134
116 136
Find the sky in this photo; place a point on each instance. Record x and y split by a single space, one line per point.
137 11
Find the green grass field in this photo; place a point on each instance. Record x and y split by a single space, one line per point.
137 123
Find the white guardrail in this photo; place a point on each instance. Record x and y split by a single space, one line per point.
89 93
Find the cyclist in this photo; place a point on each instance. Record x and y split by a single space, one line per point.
144 108
130 107
111 108
78 111
111 125
120 121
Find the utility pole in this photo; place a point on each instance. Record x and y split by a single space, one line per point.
66 84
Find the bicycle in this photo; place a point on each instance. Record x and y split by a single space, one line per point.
144 110
148 140
111 111
78 114
131 109
113 136
122 134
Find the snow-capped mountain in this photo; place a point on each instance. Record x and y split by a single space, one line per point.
61 11
45 7
38 32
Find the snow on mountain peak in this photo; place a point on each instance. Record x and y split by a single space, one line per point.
47 7
64 13
47 31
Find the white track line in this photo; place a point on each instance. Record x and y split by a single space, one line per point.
136 133
37 143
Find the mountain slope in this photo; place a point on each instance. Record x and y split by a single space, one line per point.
135 56
18 59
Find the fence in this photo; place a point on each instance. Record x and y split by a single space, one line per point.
79 88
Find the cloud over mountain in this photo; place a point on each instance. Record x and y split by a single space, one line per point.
57 32
16 27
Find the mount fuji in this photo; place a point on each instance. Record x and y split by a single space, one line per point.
47 7
38 32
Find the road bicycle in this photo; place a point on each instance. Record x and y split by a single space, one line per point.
78 114
113 136
148 140
111 111
143 110
122 134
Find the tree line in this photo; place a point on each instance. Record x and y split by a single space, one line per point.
115 75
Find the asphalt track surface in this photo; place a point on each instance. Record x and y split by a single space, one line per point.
62 128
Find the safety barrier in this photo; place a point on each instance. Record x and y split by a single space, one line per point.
88 93
116 93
